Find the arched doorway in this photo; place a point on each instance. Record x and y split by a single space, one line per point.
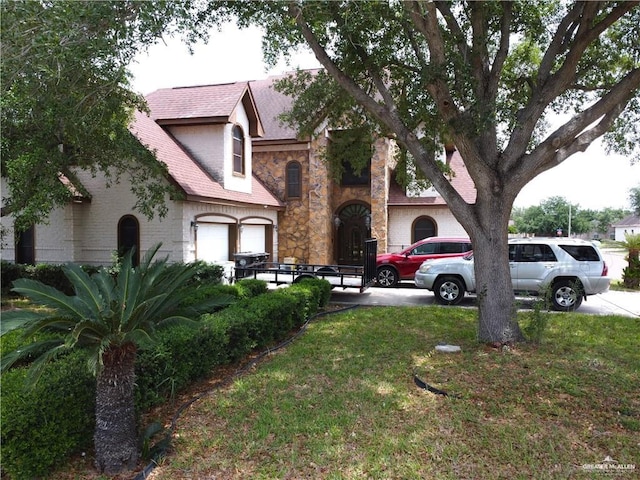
353 227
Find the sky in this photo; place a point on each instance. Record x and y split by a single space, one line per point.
590 180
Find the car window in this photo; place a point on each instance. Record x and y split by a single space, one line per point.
452 247
512 253
535 253
582 253
425 249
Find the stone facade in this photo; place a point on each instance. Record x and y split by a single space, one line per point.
306 230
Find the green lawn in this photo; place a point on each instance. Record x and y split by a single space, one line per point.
340 403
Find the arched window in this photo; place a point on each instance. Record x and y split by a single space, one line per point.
129 237
293 180
423 227
238 149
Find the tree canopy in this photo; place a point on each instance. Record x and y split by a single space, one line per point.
556 214
67 101
486 76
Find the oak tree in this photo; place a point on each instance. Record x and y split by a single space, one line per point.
487 76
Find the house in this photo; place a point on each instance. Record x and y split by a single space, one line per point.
627 226
248 184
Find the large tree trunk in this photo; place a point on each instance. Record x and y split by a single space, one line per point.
115 437
496 301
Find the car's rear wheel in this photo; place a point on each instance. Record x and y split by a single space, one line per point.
449 290
387 277
566 295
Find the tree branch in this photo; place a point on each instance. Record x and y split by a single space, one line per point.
551 85
384 116
575 136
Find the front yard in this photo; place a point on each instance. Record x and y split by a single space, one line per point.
340 402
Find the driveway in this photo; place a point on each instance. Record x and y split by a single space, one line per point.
609 303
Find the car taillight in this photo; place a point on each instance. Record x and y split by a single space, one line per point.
605 269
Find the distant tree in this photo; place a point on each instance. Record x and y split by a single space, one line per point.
484 76
551 216
634 198
607 217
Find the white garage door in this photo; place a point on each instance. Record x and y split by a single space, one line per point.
252 238
213 242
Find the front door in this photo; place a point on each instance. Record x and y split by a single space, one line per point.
353 229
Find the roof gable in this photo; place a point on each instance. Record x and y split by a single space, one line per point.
186 172
204 104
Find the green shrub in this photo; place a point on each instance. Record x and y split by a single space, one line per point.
180 356
46 273
204 291
320 287
41 426
260 321
51 275
250 287
207 273
10 272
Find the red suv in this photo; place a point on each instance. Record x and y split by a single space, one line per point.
393 267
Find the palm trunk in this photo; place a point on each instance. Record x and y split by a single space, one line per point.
115 436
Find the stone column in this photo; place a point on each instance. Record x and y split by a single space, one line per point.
320 225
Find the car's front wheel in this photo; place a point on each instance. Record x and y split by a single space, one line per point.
387 277
449 290
566 295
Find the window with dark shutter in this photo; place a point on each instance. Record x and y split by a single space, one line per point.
293 180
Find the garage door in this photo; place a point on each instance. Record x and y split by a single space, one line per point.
213 242
252 238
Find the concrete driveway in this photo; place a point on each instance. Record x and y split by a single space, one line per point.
609 303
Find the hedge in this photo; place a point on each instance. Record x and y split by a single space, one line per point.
44 425
206 274
41 427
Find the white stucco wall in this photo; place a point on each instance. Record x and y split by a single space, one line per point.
401 219
206 144
620 232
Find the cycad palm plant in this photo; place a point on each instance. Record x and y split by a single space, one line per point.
110 316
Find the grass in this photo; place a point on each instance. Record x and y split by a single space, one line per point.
340 403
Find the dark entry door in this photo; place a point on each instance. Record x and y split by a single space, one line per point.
25 247
354 228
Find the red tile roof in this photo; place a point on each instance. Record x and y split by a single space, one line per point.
462 182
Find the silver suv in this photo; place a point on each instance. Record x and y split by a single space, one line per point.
568 269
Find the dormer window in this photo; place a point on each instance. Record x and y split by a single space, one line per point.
238 150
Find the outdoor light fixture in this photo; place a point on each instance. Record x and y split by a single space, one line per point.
194 225
367 221
336 221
